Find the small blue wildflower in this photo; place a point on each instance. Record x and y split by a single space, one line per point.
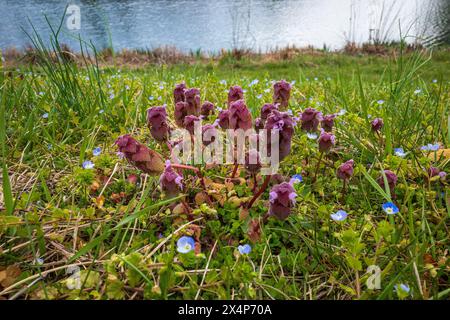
185 244
161 87
160 98
254 82
267 90
88 164
311 135
430 147
402 287
111 96
293 82
340 215
399 152
342 112
49 146
434 80
45 115
101 111
41 93
296 178
245 249
97 151
380 102
417 91
151 98
223 82
259 96
390 208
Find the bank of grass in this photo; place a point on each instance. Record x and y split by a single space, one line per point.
122 234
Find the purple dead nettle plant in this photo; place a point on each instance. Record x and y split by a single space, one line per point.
310 119
181 111
326 141
391 179
282 93
157 123
377 124
284 124
345 172
207 109
259 124
267 109
234 94
189 123
178 93
223 120
327 122
139 155
282 200
192 96
170 181
239 116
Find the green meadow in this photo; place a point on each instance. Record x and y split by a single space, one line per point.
68 231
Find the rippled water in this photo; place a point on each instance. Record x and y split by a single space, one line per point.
211 25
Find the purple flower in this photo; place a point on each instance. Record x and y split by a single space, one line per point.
433 172
157 123
252 161
327 122
207 109
209 134
282 93
224 119
240 117
88 164
310 119
282 200
267 109
178 93
139 155
391 180
377 124
282 122
193 100
345 170
442 175
234 94
181 111
170 181
326 141
189 123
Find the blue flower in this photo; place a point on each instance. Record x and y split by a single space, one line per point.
245 249
101 111
88 164
430 147
185 244
434 80
342 112
45 115
311 135
49 146
402 287
97 151
399 152
296 178
340 215
390 208
380 102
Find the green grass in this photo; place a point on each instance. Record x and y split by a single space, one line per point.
125 244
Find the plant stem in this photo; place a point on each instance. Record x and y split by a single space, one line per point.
260 191
317 167
236 165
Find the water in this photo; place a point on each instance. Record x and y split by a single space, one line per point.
211 25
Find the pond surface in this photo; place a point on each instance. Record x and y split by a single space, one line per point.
211 25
